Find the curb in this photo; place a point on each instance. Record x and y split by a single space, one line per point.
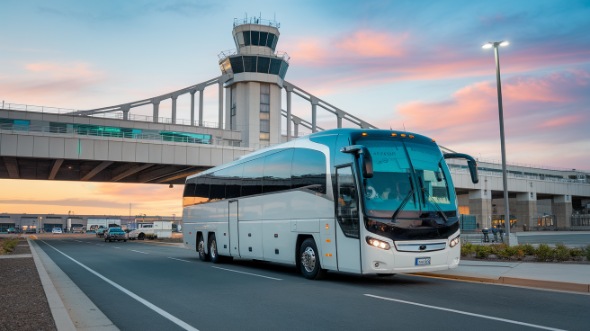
544 284
70 307
60 314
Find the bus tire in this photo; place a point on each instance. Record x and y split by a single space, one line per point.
203 256
213 256
309 260
141 236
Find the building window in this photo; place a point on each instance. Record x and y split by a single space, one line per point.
265 112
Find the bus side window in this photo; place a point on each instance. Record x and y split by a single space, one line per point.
347 203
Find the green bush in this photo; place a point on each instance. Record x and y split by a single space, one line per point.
8 245
511 252
587 252
576 253
562 253
467 249
482 252
528 249
544 253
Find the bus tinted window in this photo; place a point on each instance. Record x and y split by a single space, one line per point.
309 168
202 188
277 171
233 180
252 177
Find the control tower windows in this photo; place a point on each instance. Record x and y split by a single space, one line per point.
260 38
249 63
261 64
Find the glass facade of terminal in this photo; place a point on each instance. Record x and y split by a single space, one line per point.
103 131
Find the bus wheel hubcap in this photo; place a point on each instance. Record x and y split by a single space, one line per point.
308 259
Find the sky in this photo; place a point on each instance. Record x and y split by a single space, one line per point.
411 65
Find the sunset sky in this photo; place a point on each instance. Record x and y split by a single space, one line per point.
414 65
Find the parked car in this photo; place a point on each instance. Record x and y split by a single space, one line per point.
115 234
100 231
11 230
77 229
56 230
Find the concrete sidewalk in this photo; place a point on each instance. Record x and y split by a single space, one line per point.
556 276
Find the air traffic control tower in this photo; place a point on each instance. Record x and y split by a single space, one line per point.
255 79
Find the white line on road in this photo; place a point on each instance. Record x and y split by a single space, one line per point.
466 313
246 273
78 241
148 304
173 258
138 251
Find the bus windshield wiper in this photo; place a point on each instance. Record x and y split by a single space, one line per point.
404 201
425 192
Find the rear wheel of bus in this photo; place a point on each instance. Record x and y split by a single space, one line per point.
309 260
213 249
201 248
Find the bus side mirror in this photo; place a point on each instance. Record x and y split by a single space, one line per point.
471 163
366 161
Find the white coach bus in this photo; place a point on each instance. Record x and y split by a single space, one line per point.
350 200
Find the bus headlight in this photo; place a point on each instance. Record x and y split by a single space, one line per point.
454 242
378 243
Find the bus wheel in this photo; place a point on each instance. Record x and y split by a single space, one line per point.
141 236
201 249
310 260
213 249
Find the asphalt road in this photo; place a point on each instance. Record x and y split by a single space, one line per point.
142 286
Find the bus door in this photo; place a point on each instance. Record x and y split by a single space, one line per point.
233 228
348 248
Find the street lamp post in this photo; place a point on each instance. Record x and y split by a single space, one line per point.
495 44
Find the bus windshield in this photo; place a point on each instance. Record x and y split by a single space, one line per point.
418 183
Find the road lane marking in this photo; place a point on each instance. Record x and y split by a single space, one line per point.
173 258
139 251
78 241
246 273
466 313
141 300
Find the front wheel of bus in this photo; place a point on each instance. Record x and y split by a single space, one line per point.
213 249
201 249
310 260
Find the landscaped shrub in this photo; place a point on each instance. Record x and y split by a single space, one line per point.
577 253
587 252
467 249
562 253
528 249
8 245
482 252
544 253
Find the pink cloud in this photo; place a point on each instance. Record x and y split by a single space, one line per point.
350 48
370 44
542 115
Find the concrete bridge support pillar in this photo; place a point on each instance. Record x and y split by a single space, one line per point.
562 209
314 114
126 110
526 208
156 104
174 97
201 107
193 106
340 116
480 205
296 128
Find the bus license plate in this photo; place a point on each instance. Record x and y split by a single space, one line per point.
422 261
